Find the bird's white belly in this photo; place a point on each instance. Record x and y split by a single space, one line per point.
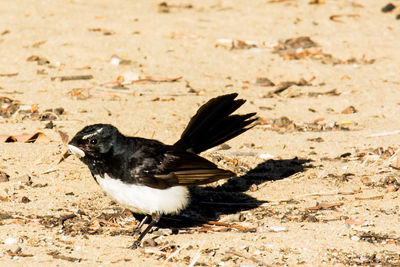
144 199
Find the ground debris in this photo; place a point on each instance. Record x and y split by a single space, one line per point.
386 154
38 59
382 258
115 90
18 253
8 106
336 17
57 255
305 48
317 139
249 257
8 74
232 44
285 85
164 7
285 125
101 30
4 177
388 8
263 81
333 92
72 78
325 206
37 137
292 89
349 110
377 238
15 109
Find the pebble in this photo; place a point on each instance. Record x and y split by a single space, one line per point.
25 200
387 8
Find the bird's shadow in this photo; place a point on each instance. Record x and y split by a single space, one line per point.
208 203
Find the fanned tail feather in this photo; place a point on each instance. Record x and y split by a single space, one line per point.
213 124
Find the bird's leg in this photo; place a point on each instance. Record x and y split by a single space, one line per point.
155 218
143 221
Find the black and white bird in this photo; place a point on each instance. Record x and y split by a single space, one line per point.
151 178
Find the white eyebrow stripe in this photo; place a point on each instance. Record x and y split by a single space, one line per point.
88 136
92 134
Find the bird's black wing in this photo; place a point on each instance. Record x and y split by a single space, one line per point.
174 168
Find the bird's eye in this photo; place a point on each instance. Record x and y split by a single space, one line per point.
93 141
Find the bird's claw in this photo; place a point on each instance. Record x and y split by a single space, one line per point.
135 245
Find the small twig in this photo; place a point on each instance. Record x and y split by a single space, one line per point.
318 194
206 229
8 74
155 80
72 78
370 198
174 254
325 206
384 133
253 259
128 91
49 171
18 254
195 258
336 17
238 227
114 90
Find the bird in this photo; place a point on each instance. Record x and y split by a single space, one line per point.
151 178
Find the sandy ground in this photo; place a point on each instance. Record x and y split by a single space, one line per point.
330 192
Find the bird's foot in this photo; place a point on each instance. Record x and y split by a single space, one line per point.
135 245
135 232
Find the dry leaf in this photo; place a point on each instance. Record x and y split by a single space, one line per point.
38 137
7 139
349 110
64 137
4 177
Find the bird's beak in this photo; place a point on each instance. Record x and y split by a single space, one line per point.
76 151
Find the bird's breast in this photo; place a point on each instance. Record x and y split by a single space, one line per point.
144 199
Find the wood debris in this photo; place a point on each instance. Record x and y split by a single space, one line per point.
71 78
326 206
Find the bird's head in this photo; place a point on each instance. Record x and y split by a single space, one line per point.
93 141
